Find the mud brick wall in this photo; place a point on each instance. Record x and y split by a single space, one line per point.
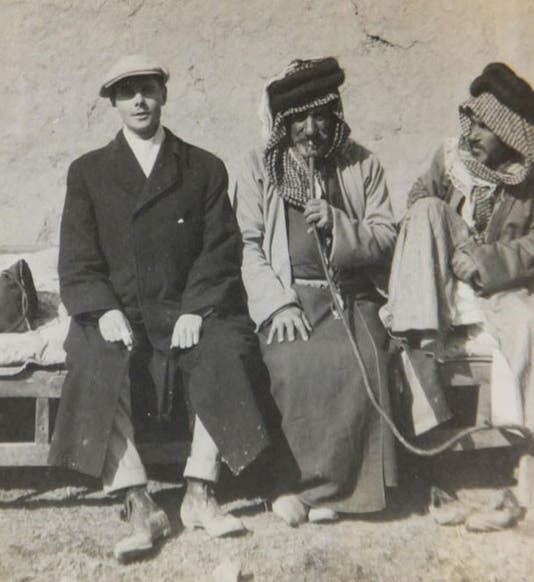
408 66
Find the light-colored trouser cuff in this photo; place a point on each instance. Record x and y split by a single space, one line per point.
204 461
123 466
525 484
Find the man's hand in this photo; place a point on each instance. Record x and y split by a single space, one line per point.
289 321
114 327
319 212
463 266
186 332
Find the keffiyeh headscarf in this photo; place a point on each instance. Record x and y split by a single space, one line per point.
505 103
303 85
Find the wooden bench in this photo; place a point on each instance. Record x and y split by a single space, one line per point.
466 381
44 386
468 394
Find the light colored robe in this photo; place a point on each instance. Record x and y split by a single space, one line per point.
363 235
334 434
501 298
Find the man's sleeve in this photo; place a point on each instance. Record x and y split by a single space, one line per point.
83 275
266 293
503 265
214 280
368 241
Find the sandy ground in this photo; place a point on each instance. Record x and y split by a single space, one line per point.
59 527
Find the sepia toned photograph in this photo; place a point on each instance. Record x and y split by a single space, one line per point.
266 291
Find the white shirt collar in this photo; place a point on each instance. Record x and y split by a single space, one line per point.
145 150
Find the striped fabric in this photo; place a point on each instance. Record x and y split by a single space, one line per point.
283 169
483 201
510 127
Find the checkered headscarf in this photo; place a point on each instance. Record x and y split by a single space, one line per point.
510 127
505 103
302 86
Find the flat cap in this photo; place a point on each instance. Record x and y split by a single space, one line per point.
131 66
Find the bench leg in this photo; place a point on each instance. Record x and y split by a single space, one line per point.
42 421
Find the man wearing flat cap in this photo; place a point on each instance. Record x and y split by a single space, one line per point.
466 251
342 459
149 268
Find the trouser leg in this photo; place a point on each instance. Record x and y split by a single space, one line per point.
224 377
124 471
199 507
421 268
123 467
204 459
525 483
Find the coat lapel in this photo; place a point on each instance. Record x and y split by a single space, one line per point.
124 168
166 173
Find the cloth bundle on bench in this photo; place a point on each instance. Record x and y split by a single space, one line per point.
18 298
43 345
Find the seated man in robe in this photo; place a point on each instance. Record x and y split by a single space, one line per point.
149 269
342 456
465 254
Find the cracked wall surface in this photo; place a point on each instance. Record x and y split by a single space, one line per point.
408 65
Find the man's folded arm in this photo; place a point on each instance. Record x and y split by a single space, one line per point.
503 265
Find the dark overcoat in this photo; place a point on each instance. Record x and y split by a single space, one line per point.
162 247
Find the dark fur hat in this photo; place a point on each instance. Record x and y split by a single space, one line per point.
512 91
307 81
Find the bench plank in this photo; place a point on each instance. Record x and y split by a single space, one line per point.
33 384
486 439
23 454
36 454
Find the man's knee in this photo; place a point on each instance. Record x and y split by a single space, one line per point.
232 348
429 207
224 341
435 217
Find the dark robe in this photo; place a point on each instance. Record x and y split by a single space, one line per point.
341 453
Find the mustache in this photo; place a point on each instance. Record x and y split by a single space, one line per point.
317 138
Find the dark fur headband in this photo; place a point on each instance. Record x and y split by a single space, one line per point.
306 82
512 91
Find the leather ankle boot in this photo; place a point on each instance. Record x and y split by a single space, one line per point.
200 510
148 521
